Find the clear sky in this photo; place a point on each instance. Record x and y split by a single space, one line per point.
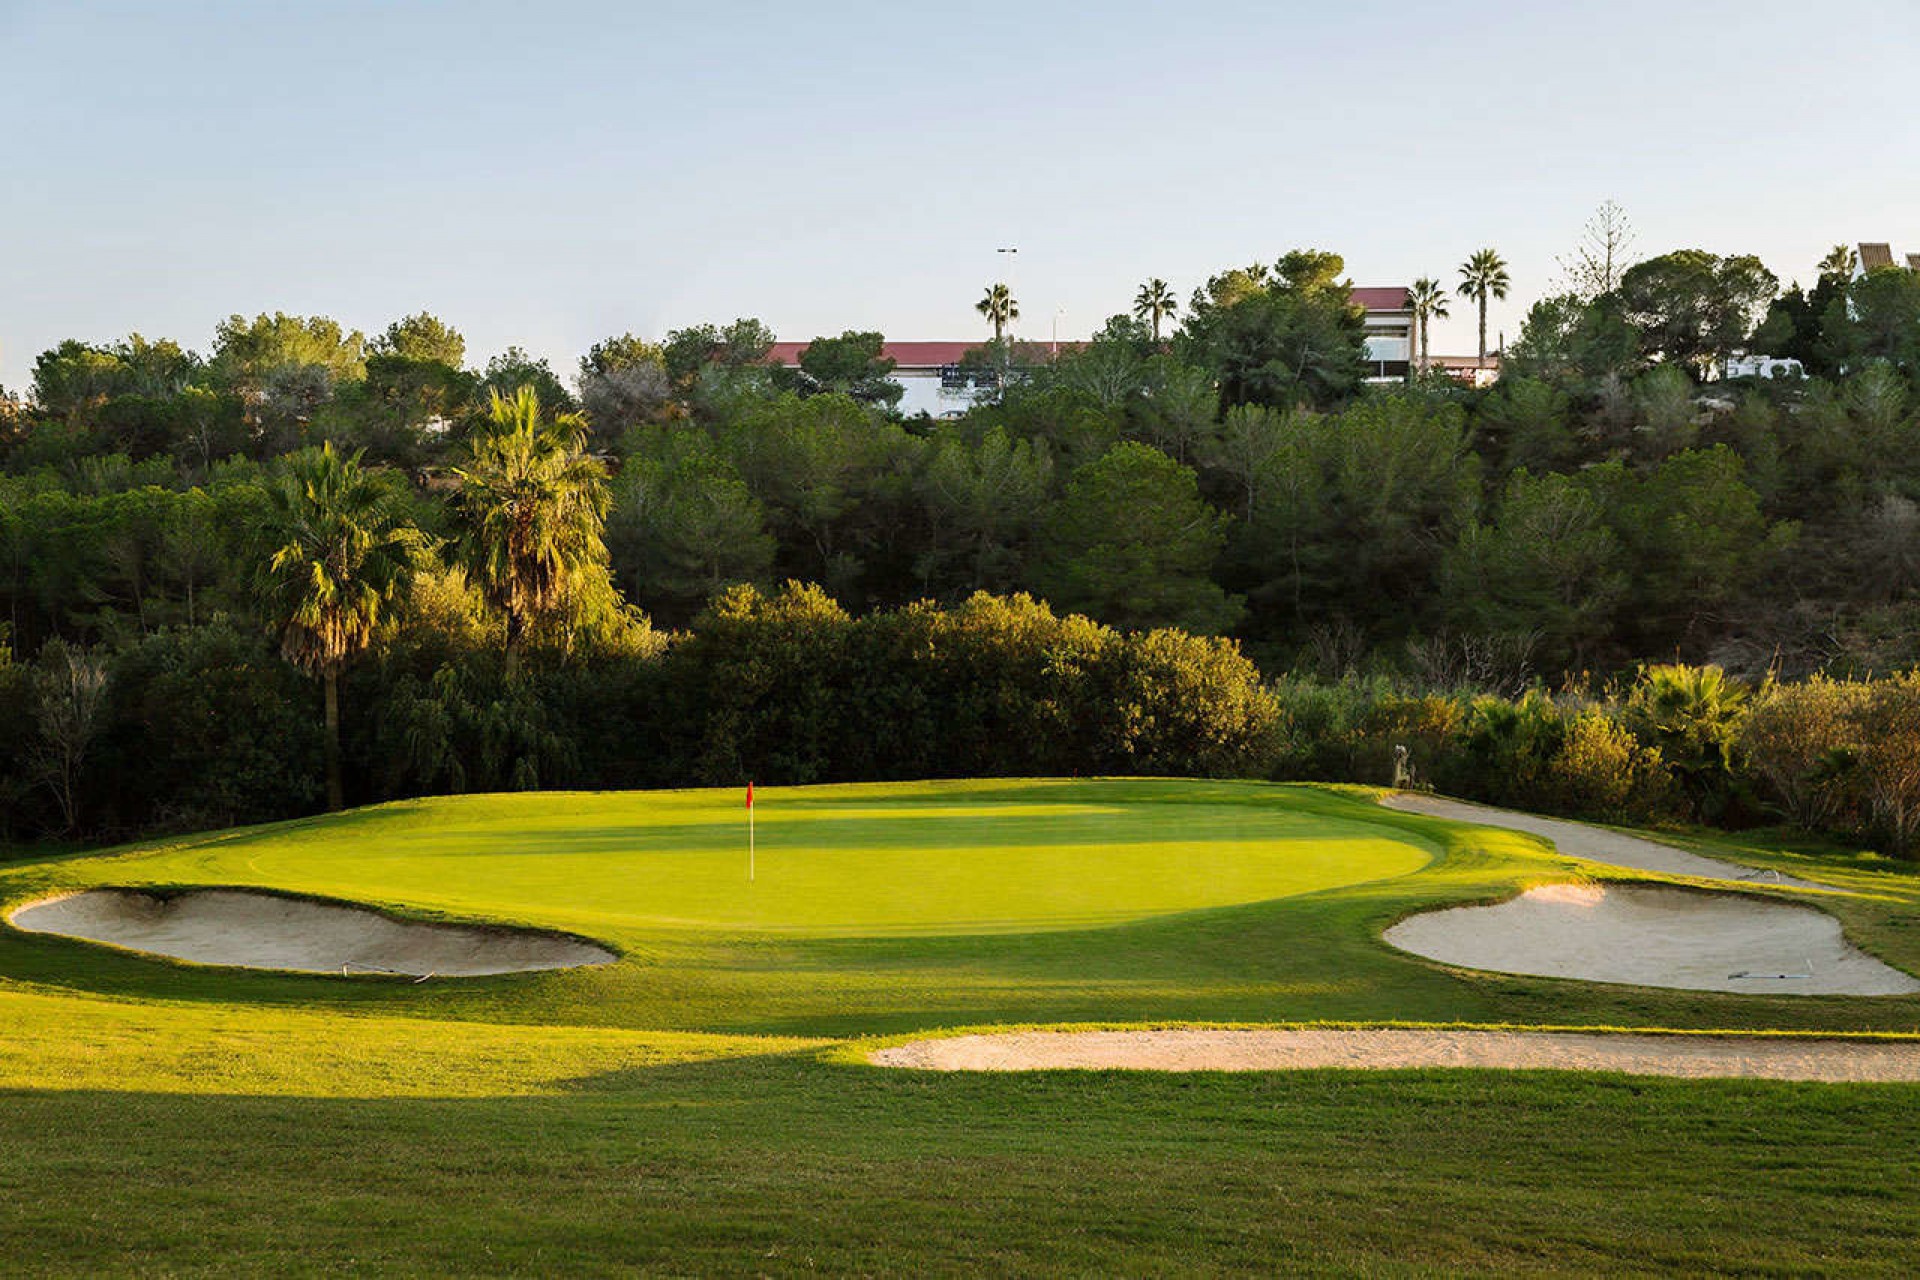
547 174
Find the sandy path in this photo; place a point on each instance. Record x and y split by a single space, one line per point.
1196 1049
1594 843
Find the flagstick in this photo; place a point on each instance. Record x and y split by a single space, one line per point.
749 844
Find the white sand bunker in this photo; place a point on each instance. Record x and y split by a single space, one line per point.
1654 937
267 931
1263 1049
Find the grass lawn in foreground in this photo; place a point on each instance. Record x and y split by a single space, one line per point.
694 1108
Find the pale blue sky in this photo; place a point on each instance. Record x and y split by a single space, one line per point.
551 173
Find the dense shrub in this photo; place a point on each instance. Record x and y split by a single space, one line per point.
1504 750
1601 770
204 727
1800 744
469 727
789 688
763 687
21 808
207 726
1427 725
1889 760
1693 716
1319 738
1184 704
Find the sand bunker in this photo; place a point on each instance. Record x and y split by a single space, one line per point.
267 931
1253 1049
1654 937
1597 844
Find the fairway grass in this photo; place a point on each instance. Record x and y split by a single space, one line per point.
702 1104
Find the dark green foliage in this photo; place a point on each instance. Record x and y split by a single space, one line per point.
687 352
1692 308
1878 319
206 727
513 369
683 523
1296 340
1574 342
850 365
1346 517
790 688
469 727
21 808
1131 542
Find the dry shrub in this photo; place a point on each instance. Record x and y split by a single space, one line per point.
1602 770
1800 740
1889 759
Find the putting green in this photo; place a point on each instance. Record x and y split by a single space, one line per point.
919 858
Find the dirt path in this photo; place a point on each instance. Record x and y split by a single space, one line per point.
1253 1049
1594 843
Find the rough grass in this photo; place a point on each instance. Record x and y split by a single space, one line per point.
697 1107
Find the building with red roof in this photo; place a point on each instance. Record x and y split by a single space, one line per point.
930 370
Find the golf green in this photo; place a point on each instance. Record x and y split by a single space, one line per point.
927 858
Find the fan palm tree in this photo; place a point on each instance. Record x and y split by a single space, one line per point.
999 308
1839 263
1481 276
533 504
344 551
1154 302
1429 302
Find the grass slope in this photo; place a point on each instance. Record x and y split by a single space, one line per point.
695 1108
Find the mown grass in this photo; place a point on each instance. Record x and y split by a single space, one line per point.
697 1106
784 1164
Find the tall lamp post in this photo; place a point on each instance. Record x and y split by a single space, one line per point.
1012 253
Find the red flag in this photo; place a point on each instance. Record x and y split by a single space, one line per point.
749 793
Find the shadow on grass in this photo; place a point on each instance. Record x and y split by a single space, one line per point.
785 1163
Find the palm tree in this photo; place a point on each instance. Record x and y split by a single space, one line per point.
999 308
1839 263
534 506
1484 274
1154 302
344 551
1429 302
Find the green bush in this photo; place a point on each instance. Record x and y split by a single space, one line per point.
1889 760
1693 715
205 727
1504 750
1602 771
1800 743
1181 704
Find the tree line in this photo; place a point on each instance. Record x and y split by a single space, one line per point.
432 545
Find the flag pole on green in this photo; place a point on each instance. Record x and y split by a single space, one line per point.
749 830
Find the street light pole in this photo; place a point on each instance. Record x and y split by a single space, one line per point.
1006 346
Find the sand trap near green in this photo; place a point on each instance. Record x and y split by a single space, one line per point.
946 858
1655 936
253 930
